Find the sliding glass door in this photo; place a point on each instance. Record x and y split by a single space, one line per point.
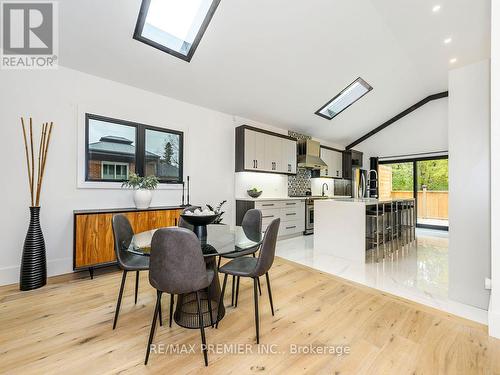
432 192
426 180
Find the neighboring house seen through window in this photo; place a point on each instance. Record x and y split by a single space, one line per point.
116 148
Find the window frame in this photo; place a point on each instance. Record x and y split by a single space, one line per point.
141 20
140 147
369 88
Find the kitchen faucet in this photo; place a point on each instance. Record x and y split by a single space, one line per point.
323 189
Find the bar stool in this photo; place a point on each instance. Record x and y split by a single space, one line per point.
406 226
393 227
373 236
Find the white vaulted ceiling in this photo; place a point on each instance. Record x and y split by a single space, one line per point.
278 61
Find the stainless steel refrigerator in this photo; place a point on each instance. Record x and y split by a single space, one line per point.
359 181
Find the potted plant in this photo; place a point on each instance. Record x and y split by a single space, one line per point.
142 189
218 211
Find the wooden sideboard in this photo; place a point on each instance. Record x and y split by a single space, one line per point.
93 243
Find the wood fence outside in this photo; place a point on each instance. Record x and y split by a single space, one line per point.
430 204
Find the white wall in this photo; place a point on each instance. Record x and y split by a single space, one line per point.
272 185
423 130
494 308
63 96
469 181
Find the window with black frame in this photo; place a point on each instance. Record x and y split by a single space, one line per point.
116 148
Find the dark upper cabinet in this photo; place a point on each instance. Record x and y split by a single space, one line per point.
351 159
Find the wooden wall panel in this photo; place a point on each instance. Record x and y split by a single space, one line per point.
94 234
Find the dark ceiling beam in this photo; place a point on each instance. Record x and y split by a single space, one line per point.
399 116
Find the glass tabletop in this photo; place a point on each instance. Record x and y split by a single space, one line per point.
220 240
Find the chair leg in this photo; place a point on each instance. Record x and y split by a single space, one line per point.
209 301
160 314
171 310
221 301
256 303
202 329
119 302
232 290
218 263
269 292
237 291
136 286
258 284
153 325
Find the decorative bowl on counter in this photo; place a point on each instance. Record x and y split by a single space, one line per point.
254 193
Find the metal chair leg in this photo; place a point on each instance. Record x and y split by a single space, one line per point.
153 325
221 301
258 284
202 329
237 291
269 292
233 287
160 314
256 303
218 263
171 310
119 302
136 286
209 301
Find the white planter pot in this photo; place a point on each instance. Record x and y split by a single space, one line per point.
142 198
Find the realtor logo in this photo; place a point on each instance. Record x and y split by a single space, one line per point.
29 35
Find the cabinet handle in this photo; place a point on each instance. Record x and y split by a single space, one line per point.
291 204
289 167
326 172
291 214
268 205
294 226
265 217
256 164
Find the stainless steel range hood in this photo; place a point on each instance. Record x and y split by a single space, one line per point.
309 155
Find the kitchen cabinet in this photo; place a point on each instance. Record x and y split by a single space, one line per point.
291 213
333 159
289 155
263 151
351 159
254 150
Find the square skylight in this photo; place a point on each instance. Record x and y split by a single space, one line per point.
344 99
174 26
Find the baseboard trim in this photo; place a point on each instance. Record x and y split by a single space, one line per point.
10 275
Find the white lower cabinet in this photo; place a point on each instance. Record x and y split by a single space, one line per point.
290 212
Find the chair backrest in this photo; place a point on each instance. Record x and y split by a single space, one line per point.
266 256
176 263
252 224
123 234
182 223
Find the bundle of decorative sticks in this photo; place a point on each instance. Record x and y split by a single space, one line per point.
35 184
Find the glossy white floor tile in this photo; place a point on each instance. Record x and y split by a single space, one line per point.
419 273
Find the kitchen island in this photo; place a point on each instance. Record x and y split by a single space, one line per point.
341 226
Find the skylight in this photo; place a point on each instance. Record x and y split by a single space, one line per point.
344 99
174 26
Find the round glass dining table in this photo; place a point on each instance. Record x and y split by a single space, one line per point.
220 241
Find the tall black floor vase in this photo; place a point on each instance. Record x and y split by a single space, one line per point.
34 263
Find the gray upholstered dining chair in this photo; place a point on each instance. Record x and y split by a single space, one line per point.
252 227
177 266
253 268
123 234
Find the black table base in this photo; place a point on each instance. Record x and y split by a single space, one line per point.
186 310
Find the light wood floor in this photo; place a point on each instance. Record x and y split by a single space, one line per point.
66 328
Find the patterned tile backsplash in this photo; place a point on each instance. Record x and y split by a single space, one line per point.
299 184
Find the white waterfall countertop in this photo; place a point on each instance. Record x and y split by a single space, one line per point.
340 226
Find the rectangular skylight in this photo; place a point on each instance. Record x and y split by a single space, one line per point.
344 99
174 26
